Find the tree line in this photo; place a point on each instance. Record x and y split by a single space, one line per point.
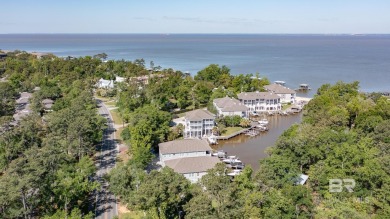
46 162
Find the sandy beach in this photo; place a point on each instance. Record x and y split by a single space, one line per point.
306 99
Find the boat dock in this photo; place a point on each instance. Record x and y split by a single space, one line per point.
232 162
232 135
251 131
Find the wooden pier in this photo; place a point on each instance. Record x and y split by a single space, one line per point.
253 126
232 135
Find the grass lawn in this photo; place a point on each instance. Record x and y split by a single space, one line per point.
116 117
118 133
286 106
231 130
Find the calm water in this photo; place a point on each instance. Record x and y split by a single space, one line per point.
312 59
251 149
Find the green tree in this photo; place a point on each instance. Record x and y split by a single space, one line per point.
7 99
215 74
74 214
163 193
125 180
72 185
202 92
219 189
245 123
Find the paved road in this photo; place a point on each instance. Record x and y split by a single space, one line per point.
105 202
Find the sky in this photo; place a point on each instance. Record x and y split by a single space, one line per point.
195 16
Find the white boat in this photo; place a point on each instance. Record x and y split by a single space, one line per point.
263 121
262 127
231 160
280 82
284 113
234 173
212 139
252 133
238 166
219 154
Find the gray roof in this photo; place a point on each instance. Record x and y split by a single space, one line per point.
257 95
24 97
227 104
19 115
199 114
192 164
47 101
279 89
184 145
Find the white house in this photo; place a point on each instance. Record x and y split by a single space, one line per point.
119 79
260 101
286 95
227 106
193 168
198 123
183 148
102 83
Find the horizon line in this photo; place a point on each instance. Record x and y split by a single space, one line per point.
177 33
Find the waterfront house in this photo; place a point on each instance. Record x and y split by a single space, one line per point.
198 123
193 168
260 101
190 157
227 106
286 95
183 148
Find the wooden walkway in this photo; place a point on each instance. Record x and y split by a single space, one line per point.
226 137
232 135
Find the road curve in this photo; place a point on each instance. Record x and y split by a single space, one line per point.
105 202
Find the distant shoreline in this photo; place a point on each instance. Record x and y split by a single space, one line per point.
208 34
313 59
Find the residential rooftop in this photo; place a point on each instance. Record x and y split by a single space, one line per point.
199 115
183 146
24 98
192 164
227 104
279 89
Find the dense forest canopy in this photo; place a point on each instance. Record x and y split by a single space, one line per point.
46 160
